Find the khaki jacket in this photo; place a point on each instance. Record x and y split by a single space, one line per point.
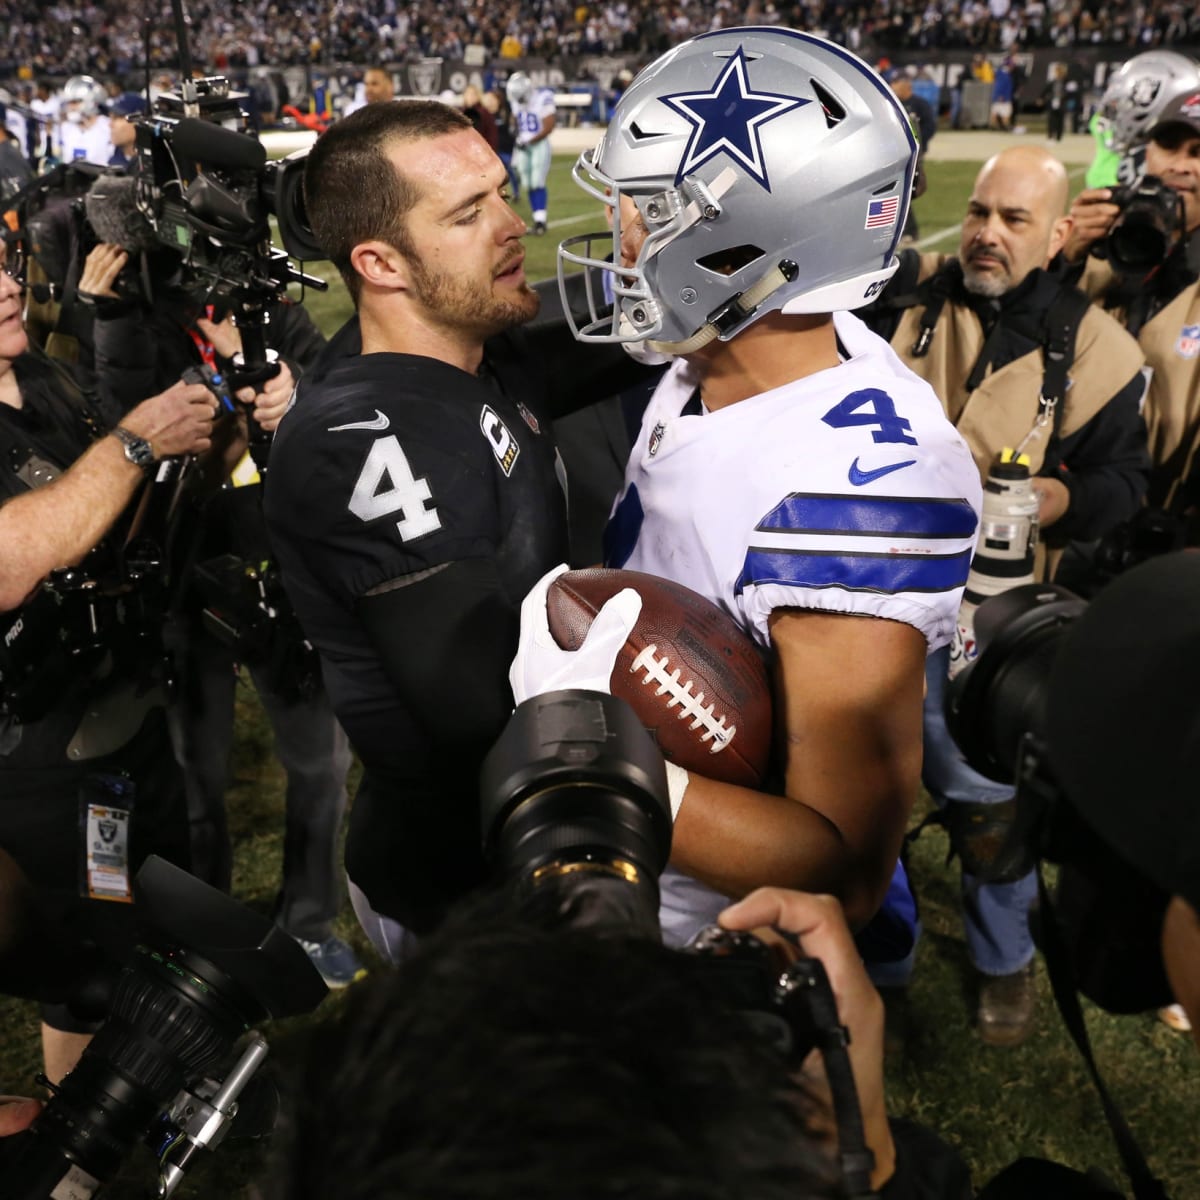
1002 412
1170 341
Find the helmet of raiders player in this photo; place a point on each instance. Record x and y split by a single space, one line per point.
1141 89
1184 109
519 88
772 170
87 94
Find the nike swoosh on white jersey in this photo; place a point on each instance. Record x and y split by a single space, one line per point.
380 421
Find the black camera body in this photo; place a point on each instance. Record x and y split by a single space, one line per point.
176 1052
77 626
247 609
1149 225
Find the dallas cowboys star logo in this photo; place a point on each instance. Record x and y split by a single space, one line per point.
728 119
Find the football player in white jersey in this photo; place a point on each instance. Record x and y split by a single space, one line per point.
534 116
84 133
789 467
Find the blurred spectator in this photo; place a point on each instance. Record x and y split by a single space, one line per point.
481 118
1003 93
1054 96
923 119
235 35
121 132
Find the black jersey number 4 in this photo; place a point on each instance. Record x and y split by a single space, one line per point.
386 485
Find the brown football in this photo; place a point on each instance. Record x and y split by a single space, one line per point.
695 680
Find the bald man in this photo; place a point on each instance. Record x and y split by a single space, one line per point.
977 327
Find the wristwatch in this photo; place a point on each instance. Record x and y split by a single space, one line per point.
137 449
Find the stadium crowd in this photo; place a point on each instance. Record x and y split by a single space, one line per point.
103 39
406 616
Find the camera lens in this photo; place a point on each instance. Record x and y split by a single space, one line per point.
1150 221
574 811
1003 694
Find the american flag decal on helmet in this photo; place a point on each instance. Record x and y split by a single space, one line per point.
881 214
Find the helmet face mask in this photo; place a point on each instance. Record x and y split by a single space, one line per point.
1139 92
772 172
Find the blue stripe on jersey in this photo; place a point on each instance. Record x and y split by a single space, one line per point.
872 516
888 573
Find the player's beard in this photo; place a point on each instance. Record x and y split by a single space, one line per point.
463 303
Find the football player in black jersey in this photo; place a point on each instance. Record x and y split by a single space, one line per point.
415 492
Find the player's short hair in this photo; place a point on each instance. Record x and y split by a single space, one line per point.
506 1061
353 191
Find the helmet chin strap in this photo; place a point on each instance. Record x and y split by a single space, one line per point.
742 306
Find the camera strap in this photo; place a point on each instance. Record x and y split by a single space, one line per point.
1146 1186
1058 353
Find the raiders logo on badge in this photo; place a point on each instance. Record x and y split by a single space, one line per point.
504 445
656 437
529 418
1188 345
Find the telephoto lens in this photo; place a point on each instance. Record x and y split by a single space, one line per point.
575 813
1005 552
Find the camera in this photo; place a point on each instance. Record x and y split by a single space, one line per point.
246 608
1150 223
577 827
1006 549
1086 708
193 215
176 1050
80 624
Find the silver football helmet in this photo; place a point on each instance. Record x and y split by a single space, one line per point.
518 89
772 170
1141 89
1184 109
86 93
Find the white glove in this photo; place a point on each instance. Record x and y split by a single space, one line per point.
542 665
522 140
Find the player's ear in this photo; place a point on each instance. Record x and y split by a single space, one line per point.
381 265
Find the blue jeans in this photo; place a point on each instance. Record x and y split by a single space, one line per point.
995 915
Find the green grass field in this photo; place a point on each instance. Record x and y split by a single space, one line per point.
993 1104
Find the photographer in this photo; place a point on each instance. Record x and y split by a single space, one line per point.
98 764
987 329
1106 794
1158 303
511 1060
136 345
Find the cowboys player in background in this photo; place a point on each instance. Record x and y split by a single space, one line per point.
534 117
789 467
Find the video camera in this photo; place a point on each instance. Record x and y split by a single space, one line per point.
176 1050
193 214
577 827
1149 225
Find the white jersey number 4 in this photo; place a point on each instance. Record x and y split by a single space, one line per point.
387 485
